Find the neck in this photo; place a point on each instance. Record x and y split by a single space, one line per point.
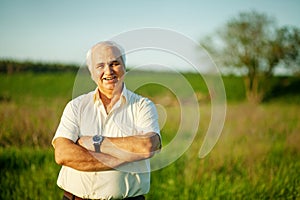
106 94
109 102
109 98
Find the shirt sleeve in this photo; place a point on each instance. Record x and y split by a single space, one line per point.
147 117
68 126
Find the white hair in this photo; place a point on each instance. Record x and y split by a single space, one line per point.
105 43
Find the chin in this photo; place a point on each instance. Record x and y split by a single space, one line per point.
108 87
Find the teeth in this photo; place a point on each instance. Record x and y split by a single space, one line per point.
111 78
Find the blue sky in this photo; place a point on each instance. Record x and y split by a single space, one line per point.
62 31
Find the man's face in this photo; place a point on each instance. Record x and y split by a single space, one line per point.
108 68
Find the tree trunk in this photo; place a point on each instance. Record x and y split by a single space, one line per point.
252 87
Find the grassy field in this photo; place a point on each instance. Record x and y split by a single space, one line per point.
256 157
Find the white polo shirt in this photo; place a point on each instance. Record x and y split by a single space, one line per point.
86 116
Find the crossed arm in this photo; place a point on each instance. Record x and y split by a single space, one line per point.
114 151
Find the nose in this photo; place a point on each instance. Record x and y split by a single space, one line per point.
108 69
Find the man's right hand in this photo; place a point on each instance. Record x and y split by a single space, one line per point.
73 155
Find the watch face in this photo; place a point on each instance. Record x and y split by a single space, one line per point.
97 138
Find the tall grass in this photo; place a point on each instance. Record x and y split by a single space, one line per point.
256 157
28 173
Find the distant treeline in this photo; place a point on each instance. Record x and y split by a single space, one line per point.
11 66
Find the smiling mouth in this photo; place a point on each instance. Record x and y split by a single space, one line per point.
109 78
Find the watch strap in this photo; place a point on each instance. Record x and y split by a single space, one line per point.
97 147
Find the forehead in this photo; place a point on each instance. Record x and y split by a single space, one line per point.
105 53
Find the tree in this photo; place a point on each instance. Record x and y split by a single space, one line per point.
252 43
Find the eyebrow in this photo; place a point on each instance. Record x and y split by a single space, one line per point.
109 63
114 61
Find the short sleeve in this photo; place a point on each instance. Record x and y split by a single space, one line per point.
147 120
68 126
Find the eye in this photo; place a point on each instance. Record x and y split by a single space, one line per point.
114 64
100 65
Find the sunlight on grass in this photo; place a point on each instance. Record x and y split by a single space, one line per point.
256 157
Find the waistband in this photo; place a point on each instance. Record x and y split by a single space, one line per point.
70 196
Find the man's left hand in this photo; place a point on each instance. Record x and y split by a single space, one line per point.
86 142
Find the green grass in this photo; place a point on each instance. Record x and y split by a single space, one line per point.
256 157
28 173
19 87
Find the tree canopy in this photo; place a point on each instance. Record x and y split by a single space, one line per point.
252 43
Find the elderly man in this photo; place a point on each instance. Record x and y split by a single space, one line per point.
106 137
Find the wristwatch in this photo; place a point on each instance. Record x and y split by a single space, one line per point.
97 139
